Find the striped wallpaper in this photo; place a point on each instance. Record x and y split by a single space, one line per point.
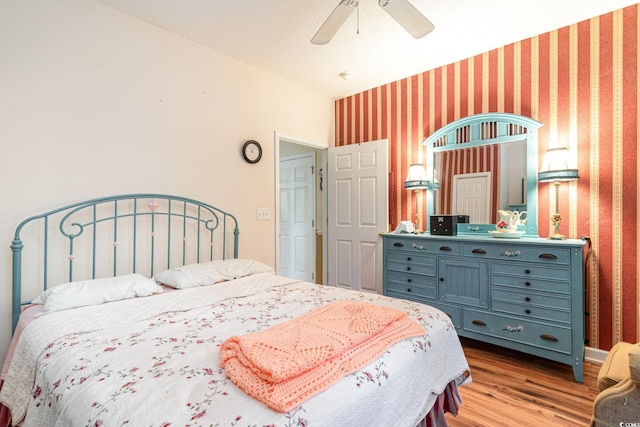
581 82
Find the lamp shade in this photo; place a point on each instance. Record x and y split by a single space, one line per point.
416 178
557 166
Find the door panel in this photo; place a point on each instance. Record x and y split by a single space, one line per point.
471 196
344 264
357 212
370 266
297 211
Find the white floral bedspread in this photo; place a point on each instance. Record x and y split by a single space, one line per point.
154 361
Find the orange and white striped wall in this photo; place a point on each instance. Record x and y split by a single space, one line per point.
581 82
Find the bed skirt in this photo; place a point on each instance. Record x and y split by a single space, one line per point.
447 401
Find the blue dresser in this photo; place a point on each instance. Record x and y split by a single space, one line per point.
525 294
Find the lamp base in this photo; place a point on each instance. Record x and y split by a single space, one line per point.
555 220
557 237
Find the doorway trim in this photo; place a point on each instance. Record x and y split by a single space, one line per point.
281 137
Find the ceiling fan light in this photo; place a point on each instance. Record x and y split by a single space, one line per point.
410 18
333 23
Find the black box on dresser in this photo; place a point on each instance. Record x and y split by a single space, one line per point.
444 225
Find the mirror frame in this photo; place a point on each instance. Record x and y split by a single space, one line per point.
484 129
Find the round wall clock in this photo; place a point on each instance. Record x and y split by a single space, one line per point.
252 151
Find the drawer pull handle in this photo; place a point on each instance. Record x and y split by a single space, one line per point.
527 299
527 283
398 245
445 248
478 323
408 268
549 337
409 280
547 256
479 251
408 289
527 311
408 258
527 271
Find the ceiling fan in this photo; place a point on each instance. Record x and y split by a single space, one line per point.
402 11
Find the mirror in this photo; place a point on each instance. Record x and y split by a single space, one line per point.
498 167
497 155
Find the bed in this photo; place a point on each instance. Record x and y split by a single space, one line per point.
124 308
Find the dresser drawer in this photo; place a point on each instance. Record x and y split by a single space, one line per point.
531 305
410 262
538 334
528 283
424 245
411 284
546 255
527 311
531 271
531 298
531 277
454 312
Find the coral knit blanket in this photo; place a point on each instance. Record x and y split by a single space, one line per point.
290 362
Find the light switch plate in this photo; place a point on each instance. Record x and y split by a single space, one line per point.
263 213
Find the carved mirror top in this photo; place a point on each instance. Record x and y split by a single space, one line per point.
486 129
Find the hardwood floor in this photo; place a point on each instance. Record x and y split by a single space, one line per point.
513 389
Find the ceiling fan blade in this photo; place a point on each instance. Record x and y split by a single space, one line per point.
334 21
408 17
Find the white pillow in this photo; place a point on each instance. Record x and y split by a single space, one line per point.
96 291
208 273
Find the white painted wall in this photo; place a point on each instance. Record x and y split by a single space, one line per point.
94 102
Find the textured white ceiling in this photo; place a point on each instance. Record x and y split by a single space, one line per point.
274 35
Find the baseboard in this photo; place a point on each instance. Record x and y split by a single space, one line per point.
595 355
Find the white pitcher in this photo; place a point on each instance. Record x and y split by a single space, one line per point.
511 218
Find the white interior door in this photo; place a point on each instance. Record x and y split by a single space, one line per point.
357 211
471 196
297 212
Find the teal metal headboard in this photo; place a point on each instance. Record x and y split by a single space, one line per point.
132 233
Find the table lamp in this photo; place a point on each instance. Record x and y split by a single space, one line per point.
557 167
416 181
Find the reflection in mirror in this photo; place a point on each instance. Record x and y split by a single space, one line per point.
483 164
478 181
